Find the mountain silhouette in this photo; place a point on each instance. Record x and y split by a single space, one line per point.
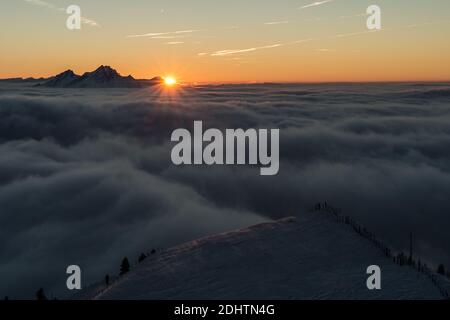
61 80
102 77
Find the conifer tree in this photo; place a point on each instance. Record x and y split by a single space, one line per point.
40 294
124 266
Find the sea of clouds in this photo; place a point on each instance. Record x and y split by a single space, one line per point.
86 176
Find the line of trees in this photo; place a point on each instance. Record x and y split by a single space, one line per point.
401 258
124 268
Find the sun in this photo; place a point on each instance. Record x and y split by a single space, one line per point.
170 81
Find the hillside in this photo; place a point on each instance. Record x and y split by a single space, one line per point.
310 257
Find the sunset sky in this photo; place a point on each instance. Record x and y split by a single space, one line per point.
230 41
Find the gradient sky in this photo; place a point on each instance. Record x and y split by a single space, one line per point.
327 42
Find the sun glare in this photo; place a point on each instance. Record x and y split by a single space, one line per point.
170 81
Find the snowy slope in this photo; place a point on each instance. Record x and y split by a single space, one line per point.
309 257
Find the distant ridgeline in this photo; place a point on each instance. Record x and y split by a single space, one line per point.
102 77
400 258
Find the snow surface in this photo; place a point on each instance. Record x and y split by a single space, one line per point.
307 257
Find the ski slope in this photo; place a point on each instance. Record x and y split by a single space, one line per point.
308 257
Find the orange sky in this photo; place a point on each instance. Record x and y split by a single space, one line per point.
230 41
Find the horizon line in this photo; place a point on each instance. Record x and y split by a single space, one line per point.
237 82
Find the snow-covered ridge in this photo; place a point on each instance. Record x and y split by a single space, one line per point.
313 256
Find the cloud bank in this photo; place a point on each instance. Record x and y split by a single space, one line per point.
86 176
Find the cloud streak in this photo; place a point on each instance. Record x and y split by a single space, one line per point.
353 34
276 23
48 5
163 35
227 52
42 4
315 4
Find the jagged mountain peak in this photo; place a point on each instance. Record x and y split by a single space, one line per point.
66 73
102 77
102 73
107 70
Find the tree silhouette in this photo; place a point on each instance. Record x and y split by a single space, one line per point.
107 280
40 294
441 269
124 266
142 257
